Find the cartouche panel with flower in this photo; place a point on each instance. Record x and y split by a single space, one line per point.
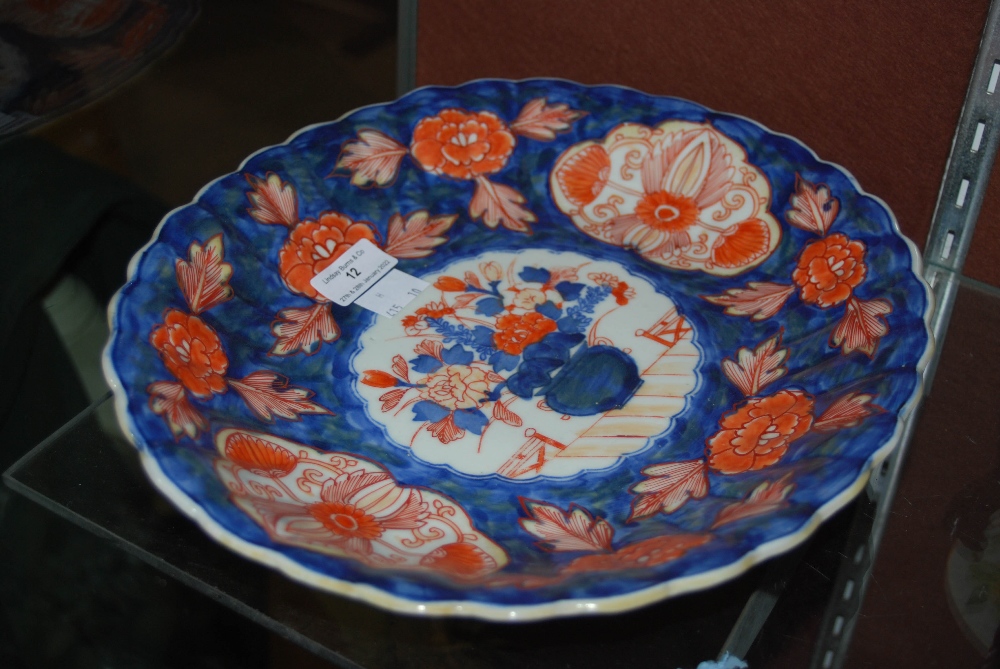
529 364
348 506
682 195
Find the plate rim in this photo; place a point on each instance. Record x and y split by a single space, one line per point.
559 608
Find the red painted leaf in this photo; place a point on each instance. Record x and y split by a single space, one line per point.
541 121
269 396
417 236
372 159
847 411
431 348
392 398
204 277
400 368
813 207
768 497
500 205
760 299
274 201
670 486
445 429
304 329
502 413
753 370
862 327
168 400
560 531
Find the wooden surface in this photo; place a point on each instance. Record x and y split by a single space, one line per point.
874 87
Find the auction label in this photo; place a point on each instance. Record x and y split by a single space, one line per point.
353 273
391 294
364 273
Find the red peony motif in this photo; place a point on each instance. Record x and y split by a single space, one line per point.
192 352
757 434
515 332
461 144
259 456
829 269
312 246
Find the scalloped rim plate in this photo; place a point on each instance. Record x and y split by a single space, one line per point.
499 611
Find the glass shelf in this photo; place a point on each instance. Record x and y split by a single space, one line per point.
88 474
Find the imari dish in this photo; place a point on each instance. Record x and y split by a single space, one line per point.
658 345
56 56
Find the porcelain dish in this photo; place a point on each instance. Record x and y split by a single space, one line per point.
658 345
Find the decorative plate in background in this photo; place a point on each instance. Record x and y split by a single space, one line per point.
660 345
57 55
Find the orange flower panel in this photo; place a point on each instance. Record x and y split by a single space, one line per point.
758 433
192 352
461 144
312 246
829 269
